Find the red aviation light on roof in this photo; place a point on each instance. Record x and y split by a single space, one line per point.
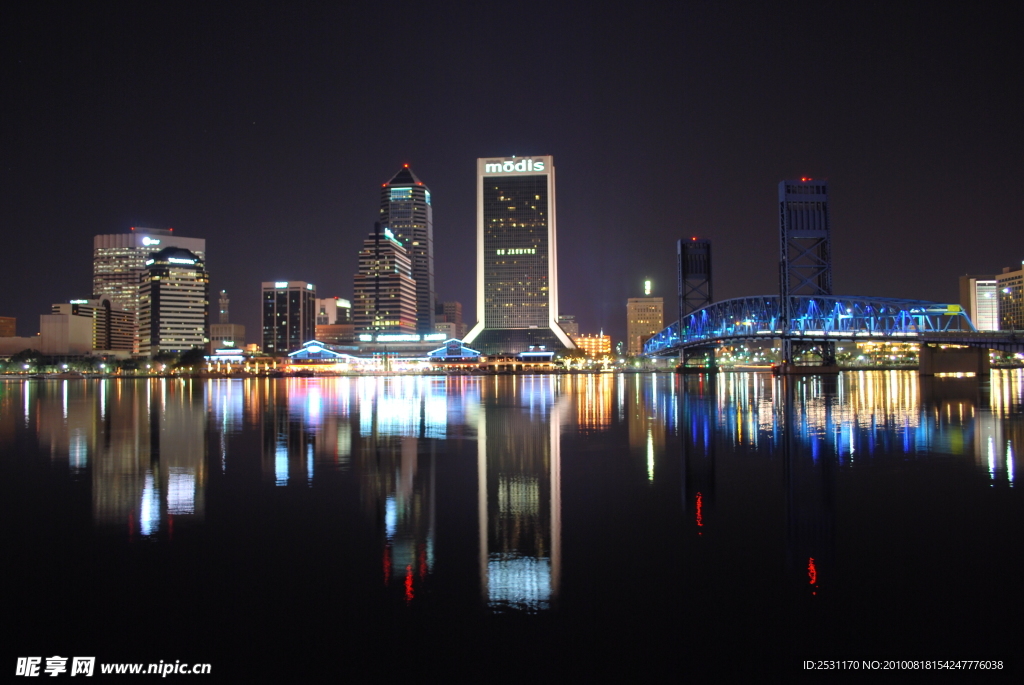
806 179
406 166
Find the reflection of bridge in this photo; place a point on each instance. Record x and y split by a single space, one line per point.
824 319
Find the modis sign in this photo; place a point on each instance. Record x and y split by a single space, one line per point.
513 166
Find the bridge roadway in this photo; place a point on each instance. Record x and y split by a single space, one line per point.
828 319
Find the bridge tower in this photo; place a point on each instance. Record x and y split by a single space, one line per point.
805 254
693 270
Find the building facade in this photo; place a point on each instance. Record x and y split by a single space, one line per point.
517 261
113 329
645 316
289 316
384 292
595 346
1010 286
406 211
979 298
119 262
174 302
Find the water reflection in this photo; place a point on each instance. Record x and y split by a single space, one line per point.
519 490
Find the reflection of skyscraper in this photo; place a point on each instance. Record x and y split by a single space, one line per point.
517 264
519 486
405 210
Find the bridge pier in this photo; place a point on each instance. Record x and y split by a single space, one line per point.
826 351
697 360
951 359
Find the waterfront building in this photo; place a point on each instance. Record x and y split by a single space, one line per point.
384 294
289 316
8 326
1010 285
111 327
595 346
174 303
517 261
645 316
978 297
119 262
406 211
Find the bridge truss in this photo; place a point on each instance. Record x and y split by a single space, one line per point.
820 319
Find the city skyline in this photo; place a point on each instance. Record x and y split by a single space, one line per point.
259 134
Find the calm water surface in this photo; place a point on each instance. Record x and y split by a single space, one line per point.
498 527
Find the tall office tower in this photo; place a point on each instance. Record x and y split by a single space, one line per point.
693 269
384 292
645 316
405 210
979 298
805 252
289 316
113 329
331 311
8 326
1010 285
517 263
174 301
118 262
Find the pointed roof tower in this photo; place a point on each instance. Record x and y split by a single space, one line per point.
404 177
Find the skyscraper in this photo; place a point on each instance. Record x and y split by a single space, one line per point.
979 297
289 316
384 294
119 260
517 264
405 210
174 300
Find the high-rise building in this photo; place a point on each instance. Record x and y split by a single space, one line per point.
978 297
517 263
119 261
8 326
645 316
448 319
174 301
289 316
384 291
1010 285
405 210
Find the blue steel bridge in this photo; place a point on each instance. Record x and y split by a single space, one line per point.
817 319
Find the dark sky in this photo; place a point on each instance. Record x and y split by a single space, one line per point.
268 130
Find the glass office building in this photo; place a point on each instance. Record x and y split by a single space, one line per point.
517 281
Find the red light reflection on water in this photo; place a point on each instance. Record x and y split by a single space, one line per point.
700 516
408 583
812 574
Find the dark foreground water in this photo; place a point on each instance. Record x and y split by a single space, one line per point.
502 528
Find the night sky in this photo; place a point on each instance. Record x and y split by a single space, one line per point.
268 131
